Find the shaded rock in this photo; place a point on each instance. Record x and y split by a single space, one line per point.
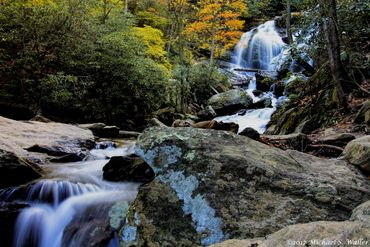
154 122
16 171
101 130
68 158
230 101
221 185
323 233
207 113
358 153
8 216
262 103
127 168
257 93
40 118
296 141
242 112
89 228
105 145
363 115
128 134
340 139
251 133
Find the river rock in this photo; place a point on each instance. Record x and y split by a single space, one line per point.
16 171
9 212
127 168
262 103
358 153
214 185
17 136
230 101
251 133
207 113
355 232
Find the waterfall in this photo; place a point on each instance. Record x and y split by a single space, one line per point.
258 47
64 202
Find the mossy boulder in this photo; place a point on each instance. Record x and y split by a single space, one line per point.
214 185
358 153
230 101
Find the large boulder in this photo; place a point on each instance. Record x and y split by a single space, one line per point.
214 185
43 139
127 168
355 232
16 171
358 153
230 101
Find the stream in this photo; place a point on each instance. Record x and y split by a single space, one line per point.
63 203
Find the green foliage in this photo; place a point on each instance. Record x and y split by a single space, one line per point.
198 80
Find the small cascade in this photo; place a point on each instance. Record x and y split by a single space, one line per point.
65 202
258 47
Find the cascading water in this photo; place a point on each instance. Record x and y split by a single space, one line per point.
256 50
258 47
68 192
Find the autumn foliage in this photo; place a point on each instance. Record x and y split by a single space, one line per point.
217 27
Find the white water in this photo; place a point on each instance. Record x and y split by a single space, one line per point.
257 49
67 191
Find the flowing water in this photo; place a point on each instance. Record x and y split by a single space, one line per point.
71 193
257 50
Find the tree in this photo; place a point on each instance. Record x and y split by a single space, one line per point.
217 27
329 22
288 21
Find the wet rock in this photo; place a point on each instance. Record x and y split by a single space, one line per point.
257 93
296 141
251 133
230 101
72 157
16 171
358 153
127 168
264 82
207 113
262 103
89 228
9 212
214 185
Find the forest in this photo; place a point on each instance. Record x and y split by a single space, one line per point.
223 123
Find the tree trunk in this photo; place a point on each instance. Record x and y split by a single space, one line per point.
329 17
288 21
213 34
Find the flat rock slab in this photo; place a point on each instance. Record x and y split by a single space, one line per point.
17 136
214 185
